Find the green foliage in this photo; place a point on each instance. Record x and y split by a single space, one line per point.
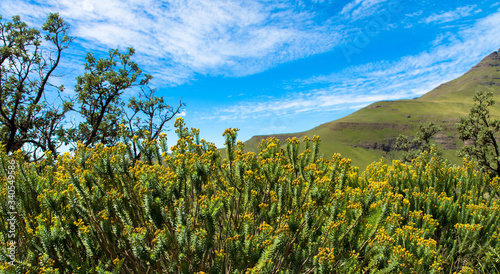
27 121
278 211
420 143
155 114
99 92
478 131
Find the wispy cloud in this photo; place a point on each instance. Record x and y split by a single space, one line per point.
409 77
453 15
339 95
358 9
179 39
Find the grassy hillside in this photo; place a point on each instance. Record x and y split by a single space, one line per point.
371 132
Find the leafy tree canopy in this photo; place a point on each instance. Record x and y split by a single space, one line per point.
28 60
479 133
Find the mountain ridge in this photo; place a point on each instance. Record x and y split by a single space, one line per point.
370 133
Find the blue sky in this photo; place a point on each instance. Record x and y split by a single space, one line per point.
277 66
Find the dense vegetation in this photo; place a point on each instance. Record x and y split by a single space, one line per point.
33 112
187 210
481 131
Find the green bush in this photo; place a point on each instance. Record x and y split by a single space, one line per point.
279 211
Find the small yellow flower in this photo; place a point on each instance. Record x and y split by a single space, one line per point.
80 222
263 205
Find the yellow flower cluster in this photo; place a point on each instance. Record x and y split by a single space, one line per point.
199 208
326 255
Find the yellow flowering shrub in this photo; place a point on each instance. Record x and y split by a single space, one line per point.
187 209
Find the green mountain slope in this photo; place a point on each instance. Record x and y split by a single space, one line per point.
370 133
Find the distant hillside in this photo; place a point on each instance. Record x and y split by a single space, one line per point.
370 133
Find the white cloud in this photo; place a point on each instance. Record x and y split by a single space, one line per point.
453 15
415 14
409 77
358 9
179 39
